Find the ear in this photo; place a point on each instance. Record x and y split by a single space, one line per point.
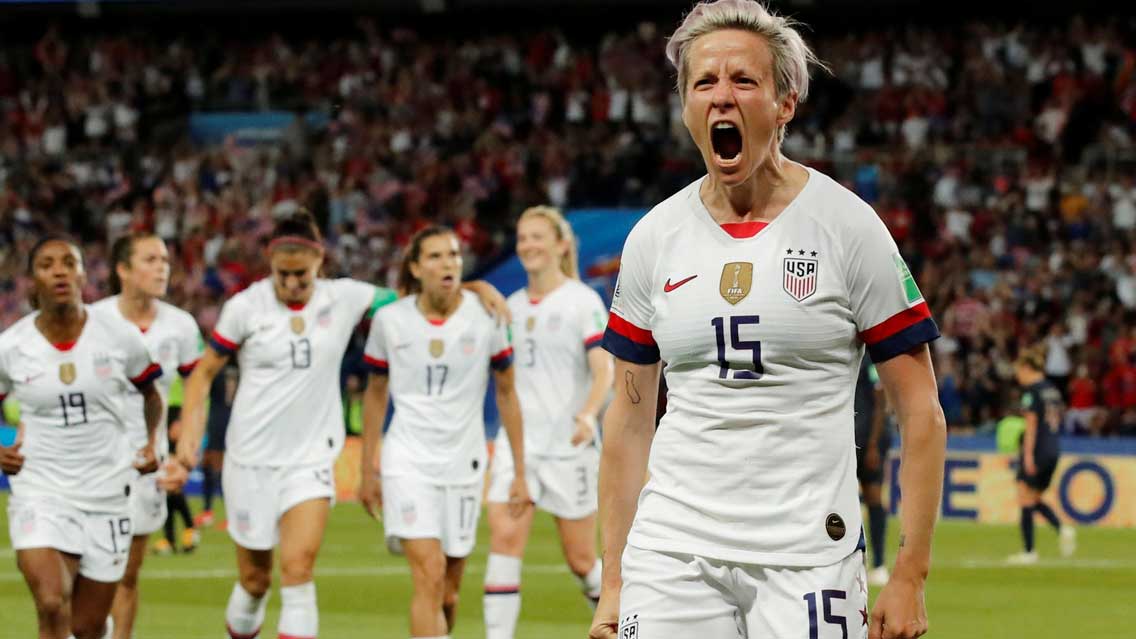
415 270
786 108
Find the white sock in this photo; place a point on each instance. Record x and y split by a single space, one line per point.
244 614
109 632
502 601
299 617
590 583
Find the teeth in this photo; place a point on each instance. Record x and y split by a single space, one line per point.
724 125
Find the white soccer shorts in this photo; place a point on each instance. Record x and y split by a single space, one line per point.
415 509
565 487
100 539
677 595
257 496
147 504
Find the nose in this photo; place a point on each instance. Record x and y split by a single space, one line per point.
722 97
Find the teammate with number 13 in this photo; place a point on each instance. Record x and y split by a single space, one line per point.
72 366
759 285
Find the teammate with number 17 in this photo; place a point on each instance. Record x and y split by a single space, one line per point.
140 274
760 285
431 353
289 332
563 381
71 366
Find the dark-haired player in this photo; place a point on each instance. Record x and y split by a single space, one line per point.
1044 411
873 439
72 367
139 278
289 332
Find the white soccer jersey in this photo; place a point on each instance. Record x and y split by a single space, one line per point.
438 378
288 409
551 338
762 337
74 404
175 343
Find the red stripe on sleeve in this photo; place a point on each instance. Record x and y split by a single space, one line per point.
895 323
377 363
224 341
147 374
508 352
630 331
186 369
594 339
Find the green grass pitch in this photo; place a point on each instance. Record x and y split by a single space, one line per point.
364 591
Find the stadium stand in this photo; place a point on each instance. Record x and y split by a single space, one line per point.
1001 156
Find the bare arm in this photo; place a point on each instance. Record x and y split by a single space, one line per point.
510 409
1029 439
375 399
629 427
193 407
600 364
152 407
909 380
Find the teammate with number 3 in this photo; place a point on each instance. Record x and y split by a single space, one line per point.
71 367
759 285
431 353
563 381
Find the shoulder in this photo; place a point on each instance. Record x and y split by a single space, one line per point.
582 294
396 309
18 332
518 299
834 206
179 318
472 307
106 303
109 322
348 286
257 294
665 217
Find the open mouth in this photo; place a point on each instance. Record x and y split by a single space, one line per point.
726 140
448 279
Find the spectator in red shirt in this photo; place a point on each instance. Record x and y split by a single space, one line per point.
1084 408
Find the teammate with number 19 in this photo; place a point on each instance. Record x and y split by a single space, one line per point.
759 285
289 332
562 381
71 367
140 276
431 353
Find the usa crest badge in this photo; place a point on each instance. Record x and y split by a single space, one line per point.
297 324
800 280
737 279
530 323
67 372
437 347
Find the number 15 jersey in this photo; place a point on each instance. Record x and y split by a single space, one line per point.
762 335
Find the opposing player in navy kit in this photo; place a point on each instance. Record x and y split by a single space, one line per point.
72 367
288 332
873 440
1044 412
760 285
431 353
140 275
563 379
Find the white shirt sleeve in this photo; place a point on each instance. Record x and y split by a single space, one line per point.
628 335
232 326
189 347
501 347
592 319
140 366
375 353
889 310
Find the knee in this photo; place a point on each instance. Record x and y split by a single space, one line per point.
52 605
450 599
256 582
297 568
580 560
430 578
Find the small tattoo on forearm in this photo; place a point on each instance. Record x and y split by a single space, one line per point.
902 540
632 392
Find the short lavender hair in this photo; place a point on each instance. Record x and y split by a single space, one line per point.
791 56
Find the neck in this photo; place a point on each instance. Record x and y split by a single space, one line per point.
544 282
759 198
138 308
61 322
438 304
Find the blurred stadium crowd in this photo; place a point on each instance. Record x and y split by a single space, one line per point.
1002 157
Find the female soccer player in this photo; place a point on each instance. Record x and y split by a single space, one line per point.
139 278
1044 412
431 352
71 367
562 384
289 332
760 285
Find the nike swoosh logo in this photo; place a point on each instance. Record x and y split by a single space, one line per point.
399 347
33 377
668 287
